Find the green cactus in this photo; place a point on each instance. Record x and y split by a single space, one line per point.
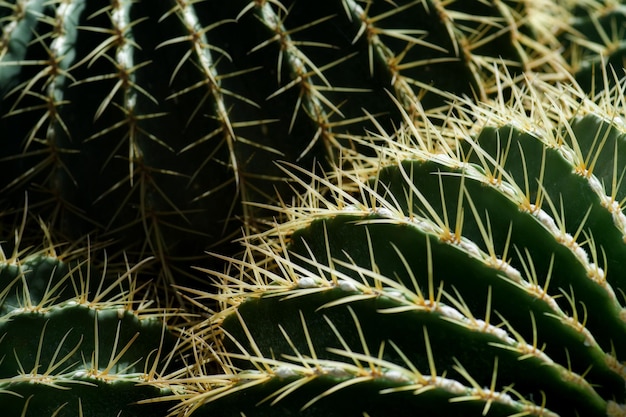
469 263
595 40
148 124
72 347
482 279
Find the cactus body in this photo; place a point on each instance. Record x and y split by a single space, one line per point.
595 41
70 349
472 266
148 124
490 274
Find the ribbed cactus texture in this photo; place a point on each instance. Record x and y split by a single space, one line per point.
148 124
429 196
484 279
72 347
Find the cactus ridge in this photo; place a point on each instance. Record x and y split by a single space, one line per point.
129 119
594 41
417 262
460 253
71 346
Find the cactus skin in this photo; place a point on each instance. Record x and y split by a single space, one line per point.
143 162
594 41
86 397
70 349
149 124
488 274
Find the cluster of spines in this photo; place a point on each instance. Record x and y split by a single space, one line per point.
525 211
75 343
316 98
182 110
595 40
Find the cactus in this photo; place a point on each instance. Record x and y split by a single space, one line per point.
71 346
595 40
485 278
469 263
149 124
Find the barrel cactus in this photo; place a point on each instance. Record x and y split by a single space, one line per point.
464 257
71 346
484 278
151 125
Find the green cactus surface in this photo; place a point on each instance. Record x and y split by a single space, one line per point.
148 124
71 347
481 279
595 40
342 208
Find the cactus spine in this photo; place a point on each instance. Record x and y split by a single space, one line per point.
595 41
71 346
493 232
129 120
406 291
